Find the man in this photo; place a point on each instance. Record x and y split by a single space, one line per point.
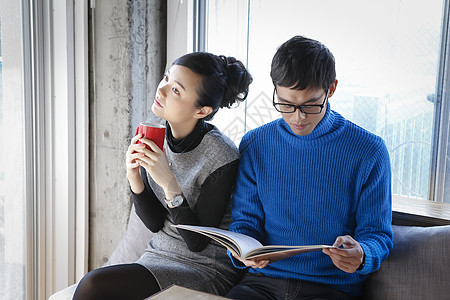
311 177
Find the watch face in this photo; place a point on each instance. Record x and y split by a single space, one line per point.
177 200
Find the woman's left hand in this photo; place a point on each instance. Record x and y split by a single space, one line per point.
156 164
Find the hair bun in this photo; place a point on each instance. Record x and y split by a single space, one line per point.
238 81
224 60
225 79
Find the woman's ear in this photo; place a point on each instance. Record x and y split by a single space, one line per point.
203 112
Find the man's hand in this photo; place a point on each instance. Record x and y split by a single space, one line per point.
349 257
252 263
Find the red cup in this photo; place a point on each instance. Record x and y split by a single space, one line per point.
153 132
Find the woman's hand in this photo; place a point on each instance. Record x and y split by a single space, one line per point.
133 166
252 263
156 164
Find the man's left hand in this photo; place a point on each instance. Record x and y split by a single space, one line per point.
348 257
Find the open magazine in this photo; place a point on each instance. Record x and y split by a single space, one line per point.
247 247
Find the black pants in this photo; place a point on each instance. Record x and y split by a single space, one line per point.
118 282
257 286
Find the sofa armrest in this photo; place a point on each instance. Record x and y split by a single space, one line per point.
418 266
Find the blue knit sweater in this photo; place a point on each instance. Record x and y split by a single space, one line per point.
305 190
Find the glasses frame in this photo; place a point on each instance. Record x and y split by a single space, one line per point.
301 107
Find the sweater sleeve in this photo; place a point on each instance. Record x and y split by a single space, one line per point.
247 211
212 204
374 214
148 207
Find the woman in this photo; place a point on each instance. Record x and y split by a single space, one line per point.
190 182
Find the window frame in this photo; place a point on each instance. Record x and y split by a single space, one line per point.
55 97
12 27
441 134
67 159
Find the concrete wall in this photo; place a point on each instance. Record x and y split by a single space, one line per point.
127 44
148 48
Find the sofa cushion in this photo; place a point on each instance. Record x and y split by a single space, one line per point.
418 266
133 243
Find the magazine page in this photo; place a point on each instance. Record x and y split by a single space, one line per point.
244 242
226 242
281 248
249 248
274 254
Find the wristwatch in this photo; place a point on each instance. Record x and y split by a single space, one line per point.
176 201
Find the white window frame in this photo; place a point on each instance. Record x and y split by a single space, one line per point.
440 169
56 104
182 25
13 90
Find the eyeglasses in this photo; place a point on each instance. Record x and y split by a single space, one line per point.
291 108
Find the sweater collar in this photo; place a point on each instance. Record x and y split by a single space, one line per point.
189 142
328 128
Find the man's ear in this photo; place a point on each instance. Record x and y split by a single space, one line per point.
203 112
332 88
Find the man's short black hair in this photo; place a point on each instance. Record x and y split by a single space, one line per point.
301 63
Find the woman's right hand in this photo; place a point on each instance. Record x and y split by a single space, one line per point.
133 167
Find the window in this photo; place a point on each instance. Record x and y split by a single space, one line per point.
389 58
43 147
12 164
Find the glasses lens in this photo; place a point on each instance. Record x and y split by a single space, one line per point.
312 109
306 109
309 109
284 108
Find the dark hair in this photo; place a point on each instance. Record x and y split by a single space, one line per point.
225 79
302 62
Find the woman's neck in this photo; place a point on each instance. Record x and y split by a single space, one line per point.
182 130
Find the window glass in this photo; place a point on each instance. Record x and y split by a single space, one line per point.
387 55
12 195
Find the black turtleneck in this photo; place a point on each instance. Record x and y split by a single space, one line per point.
189 142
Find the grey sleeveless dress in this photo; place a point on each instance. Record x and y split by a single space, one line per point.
167 255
